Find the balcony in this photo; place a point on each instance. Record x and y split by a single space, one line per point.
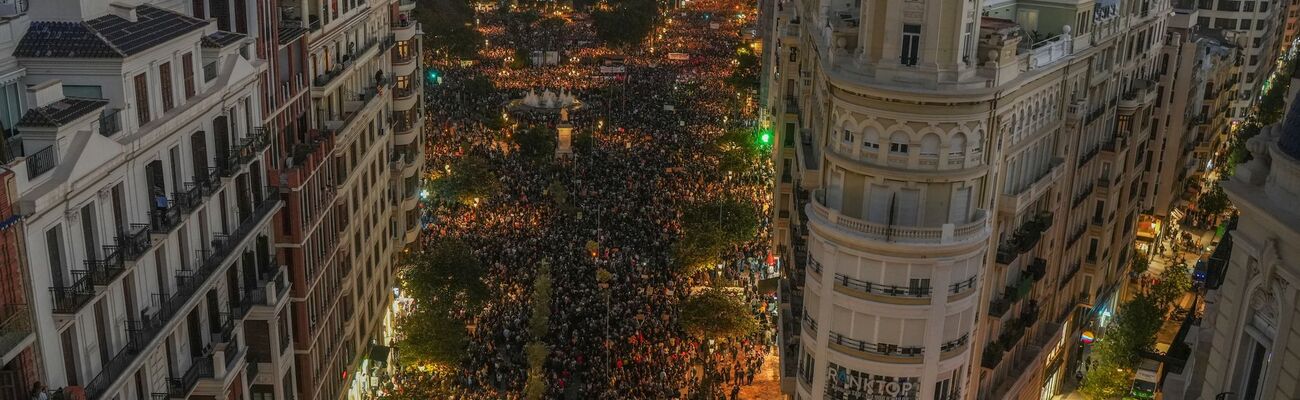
269 294
1079 198
180 388
105 269
243 152
1142 92
71 298
343 66
875 351
1091 154
166 308
881 289
132 243
404 29
165 215
1010 296
306 157
15 328
1024 238
975 229
111 122
1025 195
42 161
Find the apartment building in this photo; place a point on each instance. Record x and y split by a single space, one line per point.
142 184
956 192
18 368
194 181
1246 340
350 186
1260 26
1200 71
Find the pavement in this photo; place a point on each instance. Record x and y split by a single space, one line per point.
767 383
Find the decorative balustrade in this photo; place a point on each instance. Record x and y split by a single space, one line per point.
883 349
947 233
881 289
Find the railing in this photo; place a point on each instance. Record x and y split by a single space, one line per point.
881 289
1049 51
1089 155
884 349
68 299
168 306
1065 281
180 388
110 123
10 148
164 219
810 323
15 325
1079 198
906 234
132 243
962 286
245 151
41 162
954 344
105 269
346 60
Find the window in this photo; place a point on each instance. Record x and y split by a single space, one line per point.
187 68
898 143
165 73
142 98
930 145
847 136
870 140
1254 60
86 91
968 44
54 251
88 231
911 48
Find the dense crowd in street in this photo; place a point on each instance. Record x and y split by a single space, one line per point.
627 191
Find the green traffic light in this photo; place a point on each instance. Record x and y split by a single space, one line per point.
766 138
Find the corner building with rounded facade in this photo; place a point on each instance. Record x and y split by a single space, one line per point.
939 167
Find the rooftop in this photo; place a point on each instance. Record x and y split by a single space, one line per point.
61 112
221 39
109 36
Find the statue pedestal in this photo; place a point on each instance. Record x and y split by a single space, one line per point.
564 147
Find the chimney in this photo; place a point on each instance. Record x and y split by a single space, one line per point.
45 93
123 9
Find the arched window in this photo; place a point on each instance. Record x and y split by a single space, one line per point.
898 143
977 141
957 146
930 145
870 139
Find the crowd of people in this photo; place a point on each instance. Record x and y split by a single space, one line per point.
649 157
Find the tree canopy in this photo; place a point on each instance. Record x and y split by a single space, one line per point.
470 178
625 23
447 27
709 229
446 282
714 314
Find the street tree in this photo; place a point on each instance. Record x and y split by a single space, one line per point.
1172 283
536 143
625 23
1213 202
715 314
470 179
431 335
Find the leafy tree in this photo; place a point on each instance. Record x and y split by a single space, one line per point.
734 220
447 26
541 301
446 273
536 143
1105 380
1119 349
432 336
1214 202
535 387
471 178
1174 281
1141 264
626 23
714 314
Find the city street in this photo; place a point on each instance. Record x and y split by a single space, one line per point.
642 153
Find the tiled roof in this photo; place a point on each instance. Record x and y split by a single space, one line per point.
109 36
221 39
61 112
